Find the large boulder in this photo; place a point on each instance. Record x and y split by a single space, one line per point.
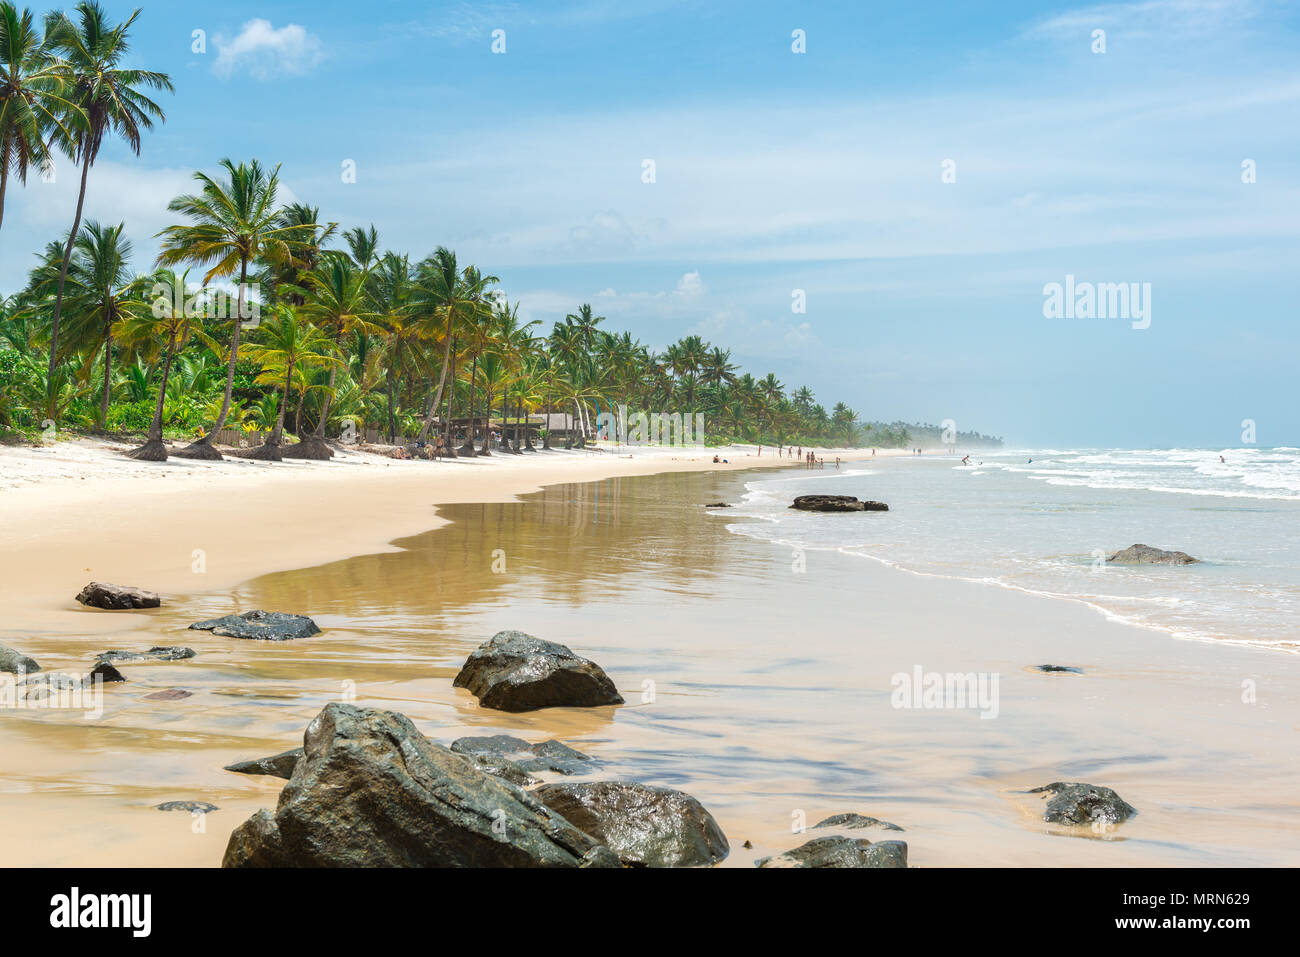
17 663
645 826
840 852
117 597
836 503
1083 804
517 672
260 626
277 765
1146 555
371 791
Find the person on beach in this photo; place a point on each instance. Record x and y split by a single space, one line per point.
966 460
716 460
837 463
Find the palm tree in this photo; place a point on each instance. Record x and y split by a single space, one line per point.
339 305
163 328
33 83
110 100
455 295
285 344
231 225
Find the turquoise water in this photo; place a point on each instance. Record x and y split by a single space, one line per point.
1040 521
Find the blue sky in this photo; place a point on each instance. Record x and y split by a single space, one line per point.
778 171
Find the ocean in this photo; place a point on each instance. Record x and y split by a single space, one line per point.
1043 521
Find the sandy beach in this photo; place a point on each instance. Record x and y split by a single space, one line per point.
764 720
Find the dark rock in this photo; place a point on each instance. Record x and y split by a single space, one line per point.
105 672
171 694
645 826
840 852
1085 804
1146 555
261 626
277 765
1059 669
371 791
117 597
17 663
517 672
156 653
836 503
547 756
201 807
718 505
854 821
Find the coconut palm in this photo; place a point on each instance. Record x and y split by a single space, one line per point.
285 344
33 98
109 99
231 224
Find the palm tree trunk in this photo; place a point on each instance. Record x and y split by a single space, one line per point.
487 424
546 438
271 450
108 371
442 380
63 278
202 449
468 447
4 187
392 416
153 449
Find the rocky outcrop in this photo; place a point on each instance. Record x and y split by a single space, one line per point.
371 791
117 597
1083 804
645 826
547 756
260 626
840 852
156 653
1146 555
17 663
853 821
105 672
836 503
277 765
517 672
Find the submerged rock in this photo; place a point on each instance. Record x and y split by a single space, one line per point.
854 821
260 626
1083 804
1146 555
105 672
645 826
202 807
277 765
156 653
117 597
840 852
547 756
372 791
171 694
17 663
1058 669
517 672
836 503
718 505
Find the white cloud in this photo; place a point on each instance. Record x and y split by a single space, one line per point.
265 52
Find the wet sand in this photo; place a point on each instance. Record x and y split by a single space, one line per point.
763 691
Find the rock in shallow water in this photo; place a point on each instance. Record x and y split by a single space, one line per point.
840 852
156 653
1083 804
260 626
1058 669
117 597
372 791
201 807
517 672
171 694
853 821
546 756
645 826
836 503
1146 555
17 663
